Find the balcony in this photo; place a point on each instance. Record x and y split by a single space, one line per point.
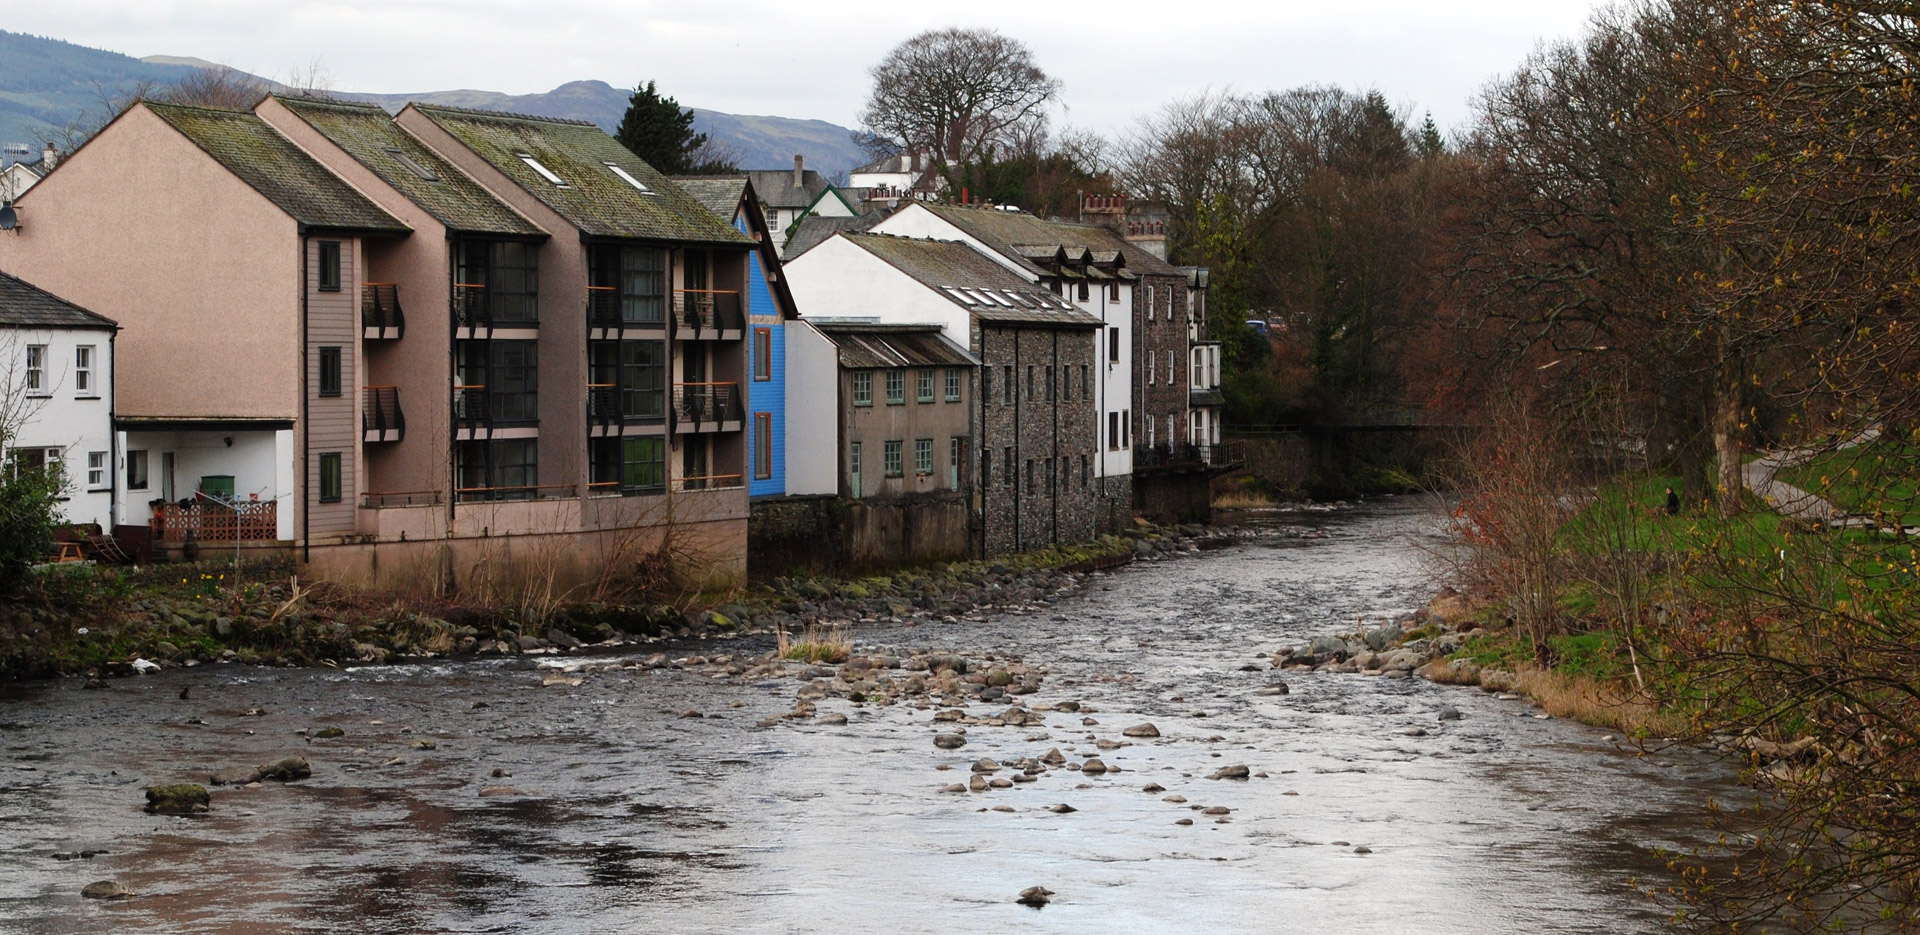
395 499
708 407
380 417
709 482
1182 454
709 314
380 315
470 406
470 307
494 494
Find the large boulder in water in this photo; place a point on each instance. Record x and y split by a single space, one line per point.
177 798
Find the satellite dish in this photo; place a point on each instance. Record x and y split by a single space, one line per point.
9 218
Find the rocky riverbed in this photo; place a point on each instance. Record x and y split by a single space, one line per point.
1120 755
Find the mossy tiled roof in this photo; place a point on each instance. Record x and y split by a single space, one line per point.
1016 234
255 152
719 194
590 195
368 134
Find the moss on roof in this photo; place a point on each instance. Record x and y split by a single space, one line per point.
255 152
368 134
719 194
591 196
968 278
1012 232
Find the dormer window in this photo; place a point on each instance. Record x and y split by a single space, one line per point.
415 167
545 172
628 178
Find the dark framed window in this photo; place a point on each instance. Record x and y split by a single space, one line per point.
923 456
637 372
1006 385
634 464
1049 378
1029 477
896 388
643 285
1066 383
762 445
986 467
514 282
506 469
329 371
137 469
1008 474
892 463
1030 381
1083 290
1113 431
863 387
763 353
1083 472
330 477
1113 344
513 380
1086 382
329 266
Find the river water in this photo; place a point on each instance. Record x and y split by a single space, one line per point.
640 820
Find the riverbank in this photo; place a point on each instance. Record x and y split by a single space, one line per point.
112 622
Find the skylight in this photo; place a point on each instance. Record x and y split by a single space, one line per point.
627 177
997 298
418 169
545 172
959 296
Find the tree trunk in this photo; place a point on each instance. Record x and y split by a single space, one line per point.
1724 418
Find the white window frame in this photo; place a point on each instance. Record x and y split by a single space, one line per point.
773 220
37 382
83 357
628 178
96 470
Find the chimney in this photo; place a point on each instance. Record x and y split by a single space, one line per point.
48 157
799 171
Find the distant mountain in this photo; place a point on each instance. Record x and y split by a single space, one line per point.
759 142
46 84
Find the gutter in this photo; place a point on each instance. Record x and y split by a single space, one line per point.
300 483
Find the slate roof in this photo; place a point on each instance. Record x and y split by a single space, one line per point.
592 197
24 305
969 279
815 228
717 193
1012 232
865 346
255 152
775 187
368 134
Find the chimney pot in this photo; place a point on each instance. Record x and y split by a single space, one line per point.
48 157
799 171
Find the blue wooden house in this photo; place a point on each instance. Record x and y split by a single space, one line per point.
769 309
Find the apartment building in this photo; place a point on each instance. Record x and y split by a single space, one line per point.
414 349
1035 442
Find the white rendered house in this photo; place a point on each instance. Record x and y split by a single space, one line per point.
56 397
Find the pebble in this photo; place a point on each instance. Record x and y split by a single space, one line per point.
106 889
1141 730
1450 714
1153 787
1184 821
949 741
1363 850
833 719
1094 766
1035 896
1063 809
1175 799
1216 810
1231 772
984 765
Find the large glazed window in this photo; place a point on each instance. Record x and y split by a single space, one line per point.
508 372
643 285
643 379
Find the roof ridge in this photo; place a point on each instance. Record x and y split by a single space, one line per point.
248 112
302 99
502 114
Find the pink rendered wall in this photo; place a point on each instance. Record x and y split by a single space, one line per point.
200 270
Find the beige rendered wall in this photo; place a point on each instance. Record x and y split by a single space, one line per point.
333 422
873 426
200 270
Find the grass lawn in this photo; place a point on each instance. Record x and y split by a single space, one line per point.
1881 477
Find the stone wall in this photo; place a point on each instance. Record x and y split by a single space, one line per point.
1173 496
1286 461
835 535
1160 336
1039 488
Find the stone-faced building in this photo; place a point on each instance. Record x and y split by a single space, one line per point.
1034 425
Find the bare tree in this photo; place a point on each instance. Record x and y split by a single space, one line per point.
955 93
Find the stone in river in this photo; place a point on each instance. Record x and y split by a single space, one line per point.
1154 787
237 776
1450 714
286 770
1093 766
179 798
1141 730
1063 809
949 741
106 889
956 787
1053 757
1001 783
1363 850
1231 772
489 792
1184 821
984 765
1277 688
1035 896
833 719
1216 810
978 783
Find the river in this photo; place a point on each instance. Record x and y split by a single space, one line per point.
1374 815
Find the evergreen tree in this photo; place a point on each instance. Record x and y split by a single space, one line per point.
660 132
1430 144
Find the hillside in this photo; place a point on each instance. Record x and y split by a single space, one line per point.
47 83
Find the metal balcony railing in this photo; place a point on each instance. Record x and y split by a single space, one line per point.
470 307
707 402
1180 453
603 403
541 492
709 482
603 307
380 310
708 310
471 406
381 419
373 500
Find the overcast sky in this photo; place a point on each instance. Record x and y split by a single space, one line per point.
1117 58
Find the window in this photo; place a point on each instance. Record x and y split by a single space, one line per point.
853 469
1046 467
986 467
773 217
96 469
412 166
329 371
545 172
498 470
1009 473
137 470
1066 383
763 354
37 370
892 452
637 276
863 387
330 477
1083 472
329 266
1083 290
628 377
22 461
1113 431
1006 385
505 374
1113 291
1029 381
1086 382
955 446
628 178
762 445
1152 366
953 384
923 456
1113 345
1029 477
634 464
513 283
83 371
896 387
986 382
923 385
1049 376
